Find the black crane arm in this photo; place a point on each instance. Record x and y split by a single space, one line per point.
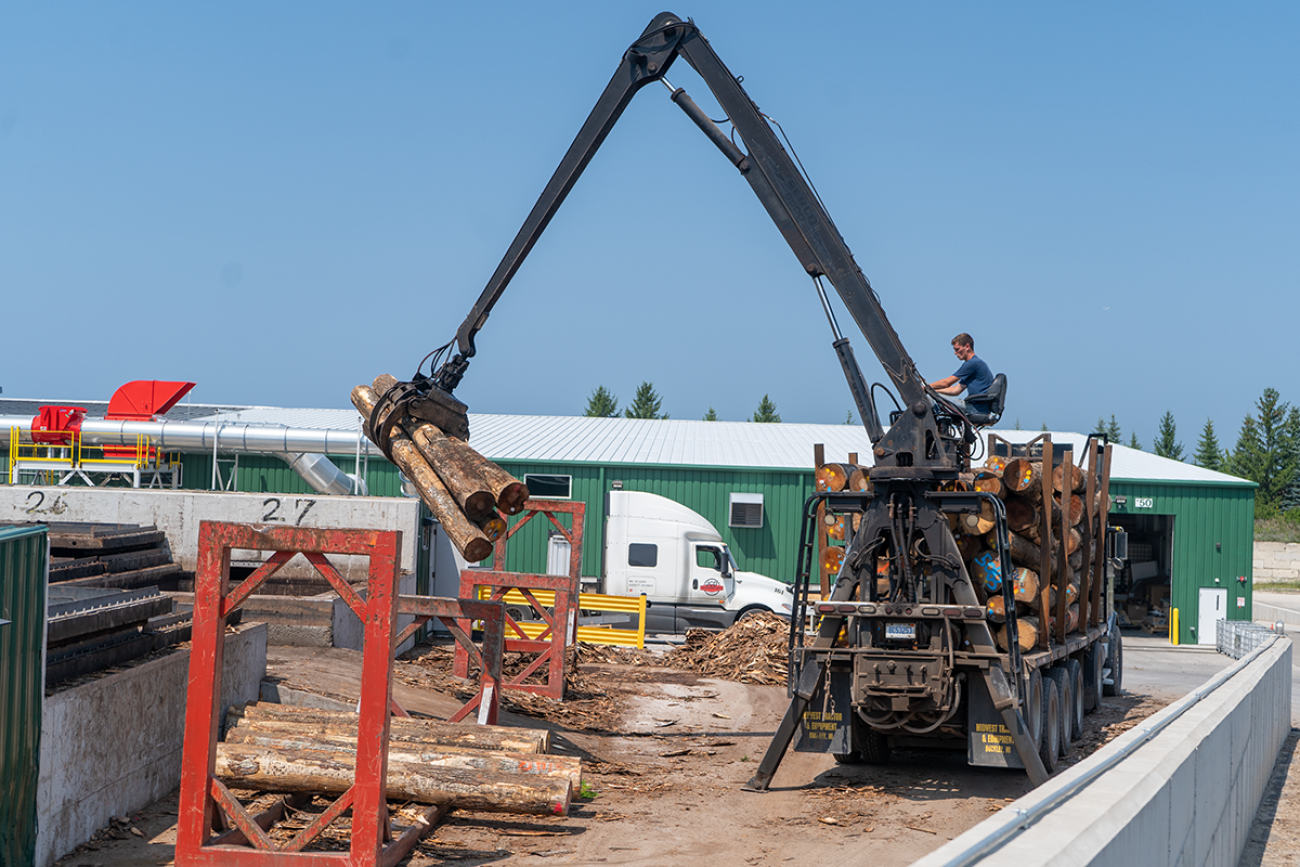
789 200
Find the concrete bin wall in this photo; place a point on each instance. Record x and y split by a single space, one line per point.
1276 561
1186 798
113 745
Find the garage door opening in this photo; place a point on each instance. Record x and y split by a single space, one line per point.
1142 585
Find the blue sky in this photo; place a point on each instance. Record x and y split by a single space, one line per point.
279 201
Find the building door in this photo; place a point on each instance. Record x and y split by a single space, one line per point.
1212 606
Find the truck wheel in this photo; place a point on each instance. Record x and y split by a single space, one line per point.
751 611
1114 682
1032 709
1074 713
847 758
1093 663
875 747
1064 699
1049 748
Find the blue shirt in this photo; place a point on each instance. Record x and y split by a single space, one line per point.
975 376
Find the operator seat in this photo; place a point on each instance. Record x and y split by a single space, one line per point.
995 397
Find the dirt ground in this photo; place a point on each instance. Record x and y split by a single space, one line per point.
665 755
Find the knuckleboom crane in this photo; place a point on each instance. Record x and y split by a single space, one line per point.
924 450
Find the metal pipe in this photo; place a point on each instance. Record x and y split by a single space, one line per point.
304 449
999 836
192 436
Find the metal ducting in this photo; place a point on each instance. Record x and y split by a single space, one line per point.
304 449
323 476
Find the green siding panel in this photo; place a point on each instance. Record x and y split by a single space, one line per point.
1214 538
24 558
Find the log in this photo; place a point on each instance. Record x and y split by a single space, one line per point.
413 752
977 523
996 609
514 740
507 493
996 465
1076 508
988 483
454 466
493 526
987 570
473 545
969 546
1026 629
833 477
1022 476
1026 553
1025 582
859 481
271 770
1021 514
1077 479
834 526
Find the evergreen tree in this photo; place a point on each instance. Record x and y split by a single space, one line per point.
1265 453
848 417
1167 445
766 411
1133 441
1017 427
1208 453
711 415
1112 430
602 404
646 404
1044 427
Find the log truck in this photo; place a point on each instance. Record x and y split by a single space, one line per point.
904 653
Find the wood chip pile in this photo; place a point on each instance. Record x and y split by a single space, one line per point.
755 650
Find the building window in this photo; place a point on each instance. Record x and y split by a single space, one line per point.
643 555
542 487
746 510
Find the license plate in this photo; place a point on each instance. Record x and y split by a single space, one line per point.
900 630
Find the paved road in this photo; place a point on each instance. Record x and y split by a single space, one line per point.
1291 602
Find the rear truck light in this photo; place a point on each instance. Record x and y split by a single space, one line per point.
867 608
975 613
952 612
825 608
847 608
929 612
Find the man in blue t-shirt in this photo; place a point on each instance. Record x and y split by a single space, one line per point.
973 377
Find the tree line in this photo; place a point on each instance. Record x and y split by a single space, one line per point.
1267 451
647 403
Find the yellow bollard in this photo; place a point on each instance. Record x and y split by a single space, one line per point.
1173 626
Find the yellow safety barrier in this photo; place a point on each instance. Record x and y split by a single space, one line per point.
634 605
1173 626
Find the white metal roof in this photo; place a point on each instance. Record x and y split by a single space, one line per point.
696 443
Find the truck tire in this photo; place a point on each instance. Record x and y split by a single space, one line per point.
847 758
1114 682
1064 699
1032 709
1074 713
875 747
1049 748
751 611
1093 663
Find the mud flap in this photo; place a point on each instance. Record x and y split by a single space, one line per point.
994 689
989 742
827 723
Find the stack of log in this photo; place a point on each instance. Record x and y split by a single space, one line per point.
273 748
465 491
1018 482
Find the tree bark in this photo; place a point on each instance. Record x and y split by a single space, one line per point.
468 539
1022 515
505 738
1076 508
416 753
1026 553
266 769
1077 479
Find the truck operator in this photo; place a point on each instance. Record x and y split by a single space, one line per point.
973 376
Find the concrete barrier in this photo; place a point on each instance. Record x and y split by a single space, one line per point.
1187 797
113 745
178 514
1275 561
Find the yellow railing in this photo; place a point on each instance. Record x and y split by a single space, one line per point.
634 605
74 455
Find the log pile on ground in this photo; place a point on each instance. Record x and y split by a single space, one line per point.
753 650
1018 482
465 491
273 748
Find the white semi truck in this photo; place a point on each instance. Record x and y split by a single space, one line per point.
674 557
